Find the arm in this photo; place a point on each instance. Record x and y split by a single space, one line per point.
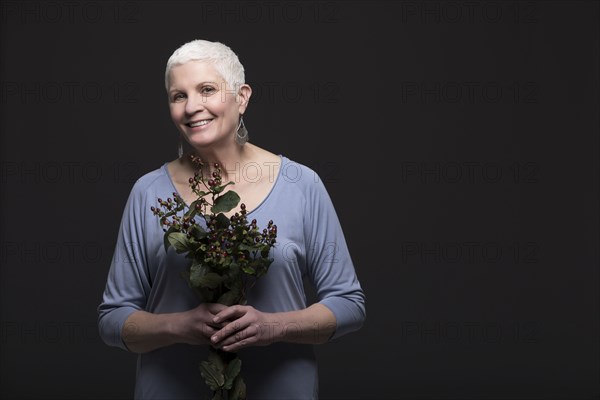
246 326
143 331
329 264
122 317
341 305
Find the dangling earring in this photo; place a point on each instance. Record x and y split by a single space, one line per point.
180 148
241 135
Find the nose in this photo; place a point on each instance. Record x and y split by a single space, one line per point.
194 104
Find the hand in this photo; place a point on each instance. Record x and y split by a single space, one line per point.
244 326
197 325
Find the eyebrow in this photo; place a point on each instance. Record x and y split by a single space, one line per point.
200 84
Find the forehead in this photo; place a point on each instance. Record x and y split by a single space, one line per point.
192 73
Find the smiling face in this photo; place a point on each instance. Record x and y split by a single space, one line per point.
203 107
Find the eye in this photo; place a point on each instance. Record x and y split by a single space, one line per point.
207 90
178 97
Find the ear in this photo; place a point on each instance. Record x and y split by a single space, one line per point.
243 97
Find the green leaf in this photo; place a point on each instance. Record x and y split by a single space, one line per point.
197 272
190 214
227 261
236 286
179 241
231 372
210 280
249 270
215 358
222 221
208 295
234 270
197 232
219 189
264 252
213 378
234 293
239 389
193 208
228 298
243 247
166 238
226 202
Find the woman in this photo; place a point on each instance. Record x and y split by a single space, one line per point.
147 306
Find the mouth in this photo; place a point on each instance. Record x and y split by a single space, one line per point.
199 123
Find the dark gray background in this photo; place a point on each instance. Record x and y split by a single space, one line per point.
458 141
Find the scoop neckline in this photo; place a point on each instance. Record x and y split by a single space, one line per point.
263 201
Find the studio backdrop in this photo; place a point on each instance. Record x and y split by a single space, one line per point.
458 141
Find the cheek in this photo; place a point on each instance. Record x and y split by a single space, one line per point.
175 112
231 110
217 107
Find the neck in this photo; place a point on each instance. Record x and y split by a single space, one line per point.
231 160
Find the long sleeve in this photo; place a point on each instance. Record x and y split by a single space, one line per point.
128 283
310 244
329 262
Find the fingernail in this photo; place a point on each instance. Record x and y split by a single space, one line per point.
214 338
216 319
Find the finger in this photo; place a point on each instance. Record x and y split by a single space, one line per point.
215 308
251 332
216 326
230 313
229 331
208 331
241 344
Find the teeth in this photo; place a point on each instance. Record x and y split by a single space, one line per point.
200 123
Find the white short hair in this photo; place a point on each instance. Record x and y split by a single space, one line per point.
220 56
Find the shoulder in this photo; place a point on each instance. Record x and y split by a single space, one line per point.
294 172
301 173
291 174
152 182
301 179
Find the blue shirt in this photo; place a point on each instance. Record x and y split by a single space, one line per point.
310 246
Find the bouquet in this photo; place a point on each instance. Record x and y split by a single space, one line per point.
227 257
